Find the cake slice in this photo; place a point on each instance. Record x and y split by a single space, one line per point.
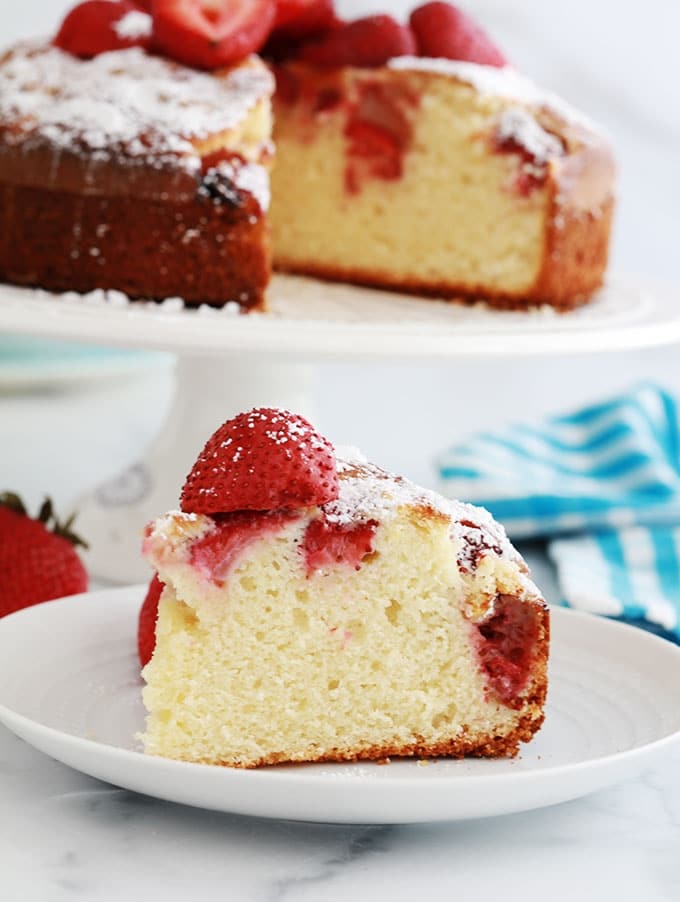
318 608
129 171
446 177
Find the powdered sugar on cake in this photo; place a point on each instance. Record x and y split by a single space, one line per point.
124 103
249 177
494 82
520 127
369 493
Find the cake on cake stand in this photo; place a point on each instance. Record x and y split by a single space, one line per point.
227 363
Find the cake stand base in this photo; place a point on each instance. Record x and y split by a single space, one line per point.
209 390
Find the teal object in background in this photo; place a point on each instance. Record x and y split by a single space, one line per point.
37 362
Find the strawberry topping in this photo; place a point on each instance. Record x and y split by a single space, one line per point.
38 560
146 631
98 26
263 460
367 42
302 18
443 30
208 34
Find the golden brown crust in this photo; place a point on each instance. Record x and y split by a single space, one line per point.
201 251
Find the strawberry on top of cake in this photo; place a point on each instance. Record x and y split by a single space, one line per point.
310 606
135 151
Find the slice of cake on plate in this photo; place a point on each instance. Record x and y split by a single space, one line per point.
317 608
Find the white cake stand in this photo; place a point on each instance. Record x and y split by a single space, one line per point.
228 363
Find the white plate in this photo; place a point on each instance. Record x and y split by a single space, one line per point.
70 686
319 320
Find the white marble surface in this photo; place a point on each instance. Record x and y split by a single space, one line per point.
64 836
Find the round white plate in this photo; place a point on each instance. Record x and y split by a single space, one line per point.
320 320
70 686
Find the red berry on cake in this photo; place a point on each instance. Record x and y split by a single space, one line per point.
443 30
100 26
146 630
208 34
305 17
38 560
368 42
263 460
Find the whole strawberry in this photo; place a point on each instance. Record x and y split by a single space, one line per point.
38 560
444 30
263 460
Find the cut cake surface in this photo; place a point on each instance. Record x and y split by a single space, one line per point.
437 177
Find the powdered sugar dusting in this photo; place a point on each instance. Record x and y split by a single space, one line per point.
134 25
117 300
124 103
493 81
518 126
369 493
249 177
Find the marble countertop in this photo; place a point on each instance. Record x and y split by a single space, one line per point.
64 836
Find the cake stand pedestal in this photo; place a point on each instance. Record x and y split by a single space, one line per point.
228 363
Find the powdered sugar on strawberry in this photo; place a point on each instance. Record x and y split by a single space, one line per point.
263 460
133 25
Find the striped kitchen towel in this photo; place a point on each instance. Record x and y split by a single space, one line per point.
602 485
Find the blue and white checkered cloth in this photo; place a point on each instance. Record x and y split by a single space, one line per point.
602 486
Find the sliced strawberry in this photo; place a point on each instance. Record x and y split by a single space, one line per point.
443 30
148 615
98 26
263 460
368 42
208 34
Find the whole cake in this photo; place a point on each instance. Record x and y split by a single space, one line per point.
315 608
134 152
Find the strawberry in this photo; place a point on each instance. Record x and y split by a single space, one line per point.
98 26
146 630
261 461
443 30
302 18
369 42
208 34
38 560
